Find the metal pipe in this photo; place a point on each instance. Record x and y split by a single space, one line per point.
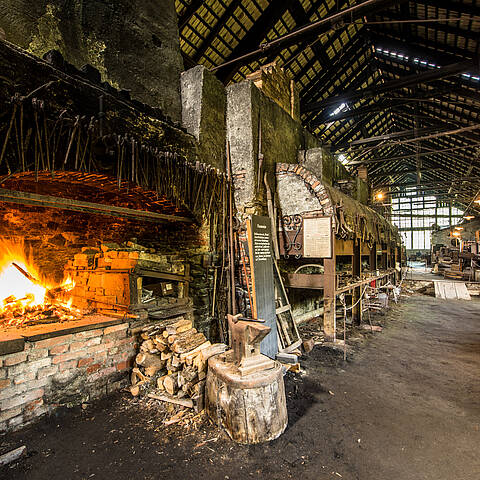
266 46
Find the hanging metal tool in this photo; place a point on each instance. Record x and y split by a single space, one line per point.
260 154
230 227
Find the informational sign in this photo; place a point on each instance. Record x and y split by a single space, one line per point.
260 245
317 237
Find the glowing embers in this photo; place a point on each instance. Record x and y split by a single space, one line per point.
27 297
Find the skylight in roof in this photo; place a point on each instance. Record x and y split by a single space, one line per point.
420 61
342 159
341 108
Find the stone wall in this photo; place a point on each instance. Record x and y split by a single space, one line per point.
279 87
282 138
319 161
134 44
64 370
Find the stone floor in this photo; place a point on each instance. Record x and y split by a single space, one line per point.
405 406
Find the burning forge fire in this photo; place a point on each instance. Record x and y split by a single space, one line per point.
27 297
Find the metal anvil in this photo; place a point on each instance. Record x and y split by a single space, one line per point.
246 336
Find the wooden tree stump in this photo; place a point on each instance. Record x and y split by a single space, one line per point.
252 408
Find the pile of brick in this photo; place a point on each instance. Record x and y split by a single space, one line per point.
102 276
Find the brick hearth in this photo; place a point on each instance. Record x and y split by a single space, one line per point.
64 364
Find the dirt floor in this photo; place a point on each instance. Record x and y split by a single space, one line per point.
406 406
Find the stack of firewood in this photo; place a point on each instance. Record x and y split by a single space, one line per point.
172 363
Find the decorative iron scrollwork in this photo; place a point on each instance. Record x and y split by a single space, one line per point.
292 223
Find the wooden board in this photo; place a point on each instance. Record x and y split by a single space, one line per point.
462 292
289 337
451 291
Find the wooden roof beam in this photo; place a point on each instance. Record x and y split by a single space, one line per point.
255 35
216 30
384 104
242 56
334 69
190 10
413 155
447 84
447 28
354 81
416 46
442 122
455 6
406 81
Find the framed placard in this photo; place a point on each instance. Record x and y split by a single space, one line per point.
317 237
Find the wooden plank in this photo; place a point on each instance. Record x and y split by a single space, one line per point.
11 342
292 336
163 276
346 288
462 292
450 292
305 280
13 455
26 198
283 309
184 402
292 347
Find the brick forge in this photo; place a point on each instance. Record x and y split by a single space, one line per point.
43 367
76 365
111 280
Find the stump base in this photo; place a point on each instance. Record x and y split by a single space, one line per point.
252 408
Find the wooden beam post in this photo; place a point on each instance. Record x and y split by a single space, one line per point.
398 258
329 304
384 261
373 258
357 291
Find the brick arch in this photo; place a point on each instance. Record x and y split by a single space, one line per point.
312 183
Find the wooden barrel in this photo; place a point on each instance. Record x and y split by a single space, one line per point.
252 408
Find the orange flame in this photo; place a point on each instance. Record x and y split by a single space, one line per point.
28 297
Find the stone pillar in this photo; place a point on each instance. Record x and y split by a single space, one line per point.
242 136
250 111
203 113
133 43
318 161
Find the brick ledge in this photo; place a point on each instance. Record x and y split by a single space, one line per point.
14 341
